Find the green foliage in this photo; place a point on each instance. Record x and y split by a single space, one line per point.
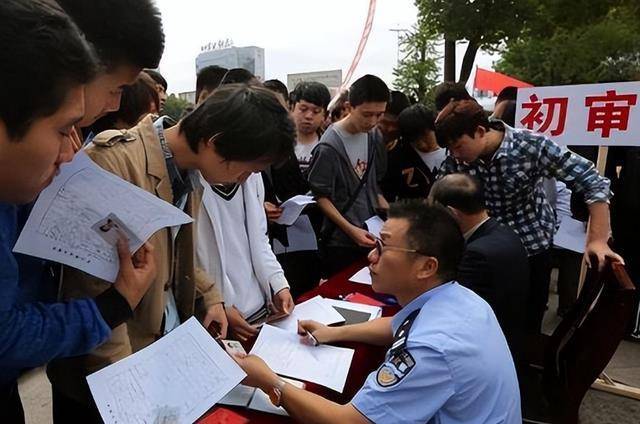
175 107
577 41
417 71
484 24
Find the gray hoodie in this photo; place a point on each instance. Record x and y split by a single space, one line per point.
331 175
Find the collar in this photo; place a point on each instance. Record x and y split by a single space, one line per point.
417 303
181 185
469 233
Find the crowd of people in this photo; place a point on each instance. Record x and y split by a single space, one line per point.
470 205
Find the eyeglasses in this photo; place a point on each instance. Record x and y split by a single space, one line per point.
380 246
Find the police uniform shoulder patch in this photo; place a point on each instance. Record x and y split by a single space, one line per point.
386 377
399 360
109 138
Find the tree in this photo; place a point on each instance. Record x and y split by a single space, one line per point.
577 41
175 107
417 71
484 24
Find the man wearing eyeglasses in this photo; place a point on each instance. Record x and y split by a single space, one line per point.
448 361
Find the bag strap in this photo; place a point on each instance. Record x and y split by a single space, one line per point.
325 235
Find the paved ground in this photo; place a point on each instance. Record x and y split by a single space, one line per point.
597 407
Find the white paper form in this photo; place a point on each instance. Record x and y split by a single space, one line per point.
374 225
363 276
285 354
374 311
62 225
176 379
313 309
571 235
292 208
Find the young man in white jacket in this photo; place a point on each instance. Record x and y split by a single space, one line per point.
233 248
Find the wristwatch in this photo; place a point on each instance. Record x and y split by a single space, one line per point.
275 393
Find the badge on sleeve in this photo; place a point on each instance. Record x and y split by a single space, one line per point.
386 377
399 361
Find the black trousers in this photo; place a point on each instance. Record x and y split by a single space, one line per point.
11 411
302 270
335 259
68 410
540 272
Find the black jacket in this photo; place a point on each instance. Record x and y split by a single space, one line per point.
495 266
407 177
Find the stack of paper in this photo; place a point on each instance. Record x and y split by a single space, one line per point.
316 309
285 354
256 399
176 379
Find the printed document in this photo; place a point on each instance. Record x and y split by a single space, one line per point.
374 225
285 354
292 208
78 216
316 309
174 380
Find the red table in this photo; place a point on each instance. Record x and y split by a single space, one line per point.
365 359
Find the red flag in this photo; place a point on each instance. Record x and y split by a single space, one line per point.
495 81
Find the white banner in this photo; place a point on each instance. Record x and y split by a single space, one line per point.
589 114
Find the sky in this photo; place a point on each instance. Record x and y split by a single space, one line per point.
297 35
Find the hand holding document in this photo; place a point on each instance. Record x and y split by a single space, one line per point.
78 217
292 208
176 379
374 225
285 354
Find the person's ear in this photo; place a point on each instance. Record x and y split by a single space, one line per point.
480 131
211 142
428 267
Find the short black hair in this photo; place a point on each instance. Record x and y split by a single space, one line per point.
157 77
209 79
447 91
462 118
508 93
414 121
277 86
461 191
123 32
249 123
43 56
368 88
238 76
398 101
311 91
432 231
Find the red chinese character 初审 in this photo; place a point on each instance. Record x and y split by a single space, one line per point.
609 112
544 119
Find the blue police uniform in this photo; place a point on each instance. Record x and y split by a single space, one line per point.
449 363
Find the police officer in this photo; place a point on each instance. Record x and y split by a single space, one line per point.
448 360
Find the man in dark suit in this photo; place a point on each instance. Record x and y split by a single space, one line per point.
494 264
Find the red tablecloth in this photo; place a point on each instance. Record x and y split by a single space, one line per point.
365 359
